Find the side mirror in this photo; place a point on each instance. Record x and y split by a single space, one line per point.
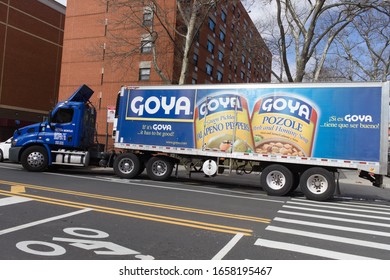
50 120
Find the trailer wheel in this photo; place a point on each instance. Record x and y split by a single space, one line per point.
317 184
159 168
276 180
127 165
35 159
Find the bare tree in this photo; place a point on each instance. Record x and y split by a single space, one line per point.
163 26
362 52
308 29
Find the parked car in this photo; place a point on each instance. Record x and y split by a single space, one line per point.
4 149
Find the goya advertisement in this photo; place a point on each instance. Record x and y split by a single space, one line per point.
159 117
334 123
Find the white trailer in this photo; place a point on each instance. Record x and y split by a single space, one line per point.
294 134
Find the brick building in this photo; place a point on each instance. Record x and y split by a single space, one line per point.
106 47
31 37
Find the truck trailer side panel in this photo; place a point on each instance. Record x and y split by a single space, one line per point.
335 125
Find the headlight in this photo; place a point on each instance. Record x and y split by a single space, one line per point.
13 142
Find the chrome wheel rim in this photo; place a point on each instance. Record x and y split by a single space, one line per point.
159 168
126 166
276 180
317 184
35 159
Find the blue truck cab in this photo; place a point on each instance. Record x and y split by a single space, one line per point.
65 138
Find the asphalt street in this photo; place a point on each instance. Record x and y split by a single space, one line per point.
79 214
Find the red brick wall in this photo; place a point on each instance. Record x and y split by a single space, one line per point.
84 62
31 37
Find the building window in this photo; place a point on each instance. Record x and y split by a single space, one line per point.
232 27
242 75
209 69
211 25
194 81
220 56
243 59
210 47
231 45
233 9
235 68
222 36
249 65
219 76
148 17
196 57
144 74
146 46
223 16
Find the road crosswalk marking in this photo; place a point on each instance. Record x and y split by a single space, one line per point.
334 218
330 226
368 221
309 250
329 237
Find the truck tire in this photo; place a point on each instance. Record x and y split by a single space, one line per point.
1 156
317 184
159 168
127 165
34 159
276 179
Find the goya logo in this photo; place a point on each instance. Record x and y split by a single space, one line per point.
287 105
171 105
219 103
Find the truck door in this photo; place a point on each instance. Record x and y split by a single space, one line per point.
64 126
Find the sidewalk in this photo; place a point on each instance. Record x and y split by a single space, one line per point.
352 177
354 186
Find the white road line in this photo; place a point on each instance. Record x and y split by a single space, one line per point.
346 204
334 218
384 212
126 182
350 229
332 238
8 230
12 168
221 254
337 212
309 250
13 200
365 205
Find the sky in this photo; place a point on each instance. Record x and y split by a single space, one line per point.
63 2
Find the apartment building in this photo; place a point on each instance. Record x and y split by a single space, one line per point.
31 37
106 46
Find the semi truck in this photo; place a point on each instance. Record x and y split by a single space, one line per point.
291 134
